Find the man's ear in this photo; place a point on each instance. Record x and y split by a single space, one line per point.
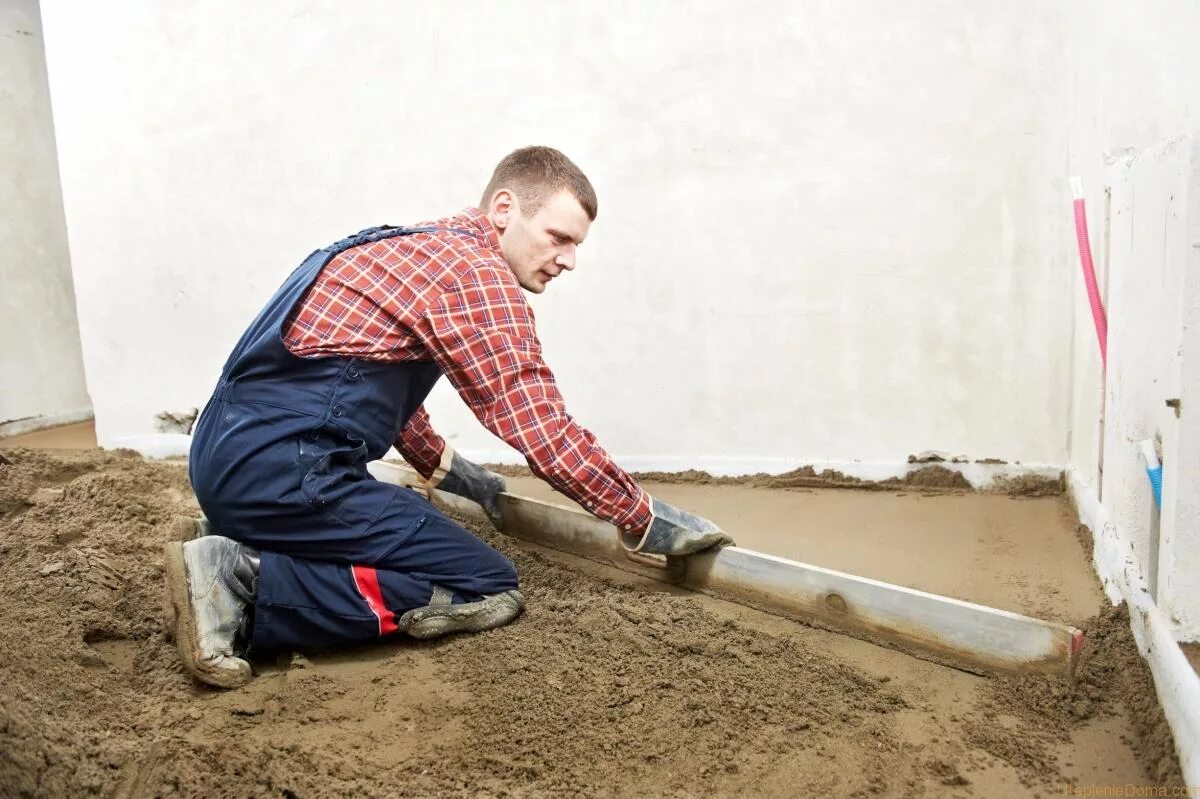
504 206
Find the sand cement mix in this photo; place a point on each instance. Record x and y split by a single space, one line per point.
607 686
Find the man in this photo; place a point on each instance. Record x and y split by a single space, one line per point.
309 550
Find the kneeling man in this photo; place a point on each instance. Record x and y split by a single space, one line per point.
305 548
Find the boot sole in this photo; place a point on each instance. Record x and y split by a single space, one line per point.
180 621
435 623
181 528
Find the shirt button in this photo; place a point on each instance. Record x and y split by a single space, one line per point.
337 410
627 527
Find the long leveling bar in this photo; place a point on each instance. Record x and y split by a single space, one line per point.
950 631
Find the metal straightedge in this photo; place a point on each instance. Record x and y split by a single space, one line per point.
950 631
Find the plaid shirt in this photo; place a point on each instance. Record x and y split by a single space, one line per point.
450 297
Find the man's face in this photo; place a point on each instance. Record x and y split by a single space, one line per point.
538 248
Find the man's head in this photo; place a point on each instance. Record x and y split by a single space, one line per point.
542 206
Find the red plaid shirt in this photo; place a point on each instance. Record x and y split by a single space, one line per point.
450 297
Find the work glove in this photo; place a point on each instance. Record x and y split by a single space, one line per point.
675 532
457 475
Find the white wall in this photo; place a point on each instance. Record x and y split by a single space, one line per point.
41 369
1133 96
1179 553
826 232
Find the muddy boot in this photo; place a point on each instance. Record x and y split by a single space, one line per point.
211 583
442 618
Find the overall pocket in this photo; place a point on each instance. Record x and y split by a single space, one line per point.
334 464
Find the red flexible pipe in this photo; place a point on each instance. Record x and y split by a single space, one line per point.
1089 270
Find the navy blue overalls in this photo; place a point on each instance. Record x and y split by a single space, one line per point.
279 462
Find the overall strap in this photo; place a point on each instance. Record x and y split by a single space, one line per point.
271 316
374 234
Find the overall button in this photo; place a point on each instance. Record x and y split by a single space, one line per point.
352 373
337 410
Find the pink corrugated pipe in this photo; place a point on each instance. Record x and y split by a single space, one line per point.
1089 270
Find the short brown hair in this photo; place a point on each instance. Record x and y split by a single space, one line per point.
536 173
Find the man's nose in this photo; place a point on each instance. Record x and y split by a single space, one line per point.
566 257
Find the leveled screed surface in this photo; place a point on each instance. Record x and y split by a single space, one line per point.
1015 553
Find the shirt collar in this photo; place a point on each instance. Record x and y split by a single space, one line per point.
477 221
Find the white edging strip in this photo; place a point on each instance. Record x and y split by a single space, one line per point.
156 445
32 424
1175 681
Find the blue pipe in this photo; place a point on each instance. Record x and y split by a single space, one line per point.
1153 470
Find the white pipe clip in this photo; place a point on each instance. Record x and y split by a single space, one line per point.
1150 454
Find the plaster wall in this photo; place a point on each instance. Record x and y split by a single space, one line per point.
825 232
1132 137
1150 241
1179 551
41 368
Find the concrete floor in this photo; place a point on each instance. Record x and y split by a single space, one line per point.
1017 554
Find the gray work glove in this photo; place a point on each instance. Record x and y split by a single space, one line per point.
675 532
472 481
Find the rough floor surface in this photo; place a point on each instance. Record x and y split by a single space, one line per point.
603 688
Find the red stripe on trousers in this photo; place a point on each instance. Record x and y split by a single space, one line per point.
367 581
